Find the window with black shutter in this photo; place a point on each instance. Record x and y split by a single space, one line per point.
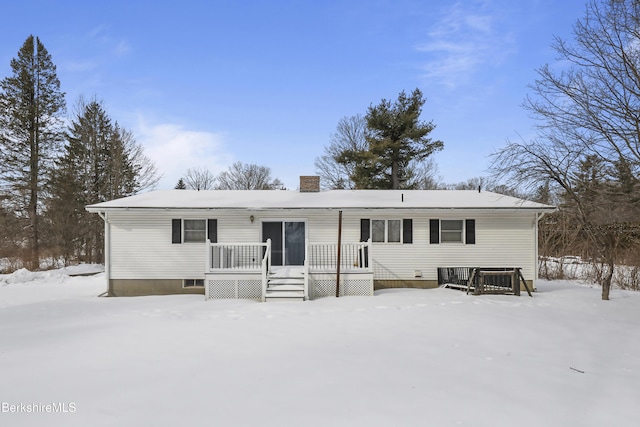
434 231
194 230
176 231
365 229
407 231
470 231
386 230
452 231
212 230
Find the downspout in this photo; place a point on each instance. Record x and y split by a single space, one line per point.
338 258
107 251
537 258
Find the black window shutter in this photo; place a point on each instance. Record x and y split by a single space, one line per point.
176 231
407 230
470 232
434 231
212 230
365 230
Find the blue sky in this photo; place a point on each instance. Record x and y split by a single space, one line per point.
207 83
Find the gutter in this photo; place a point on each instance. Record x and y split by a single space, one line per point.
320 208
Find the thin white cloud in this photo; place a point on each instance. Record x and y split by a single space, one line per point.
103 48
175 149
82 65
98 31
468 36
113 45
122 48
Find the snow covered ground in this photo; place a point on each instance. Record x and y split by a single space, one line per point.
402 358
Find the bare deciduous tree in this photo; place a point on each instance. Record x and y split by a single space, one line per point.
145 173
241 176
589 124
199 179
350 135
423 175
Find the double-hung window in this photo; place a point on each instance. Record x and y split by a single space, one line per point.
387 230
194 230
452 231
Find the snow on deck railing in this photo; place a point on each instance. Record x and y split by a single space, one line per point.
353 256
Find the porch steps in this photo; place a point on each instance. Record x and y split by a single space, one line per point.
285 288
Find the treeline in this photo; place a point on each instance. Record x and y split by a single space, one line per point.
239 176
585 158
52 166
49 171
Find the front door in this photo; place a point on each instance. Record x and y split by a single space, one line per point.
287 241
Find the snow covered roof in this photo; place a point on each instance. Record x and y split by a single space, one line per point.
333 199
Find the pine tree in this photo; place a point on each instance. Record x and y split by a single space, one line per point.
181 185
396 145
31 106
396 138
101 162
65 210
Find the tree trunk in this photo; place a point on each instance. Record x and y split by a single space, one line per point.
606 283
33 193
395 180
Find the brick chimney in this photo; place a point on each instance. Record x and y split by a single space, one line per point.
309 184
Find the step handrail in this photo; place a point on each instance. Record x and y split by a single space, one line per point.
266 267
306 271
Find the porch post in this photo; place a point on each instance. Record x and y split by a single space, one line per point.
207 252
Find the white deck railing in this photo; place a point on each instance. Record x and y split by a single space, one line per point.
253 260
353 256
306 271
236 256
257 256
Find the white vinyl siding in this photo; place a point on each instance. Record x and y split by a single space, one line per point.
141 245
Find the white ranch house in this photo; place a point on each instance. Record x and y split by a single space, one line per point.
277 244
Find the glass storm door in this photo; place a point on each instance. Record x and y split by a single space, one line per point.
287 241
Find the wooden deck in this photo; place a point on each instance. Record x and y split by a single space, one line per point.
479 280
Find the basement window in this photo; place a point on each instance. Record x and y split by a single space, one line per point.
193 283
